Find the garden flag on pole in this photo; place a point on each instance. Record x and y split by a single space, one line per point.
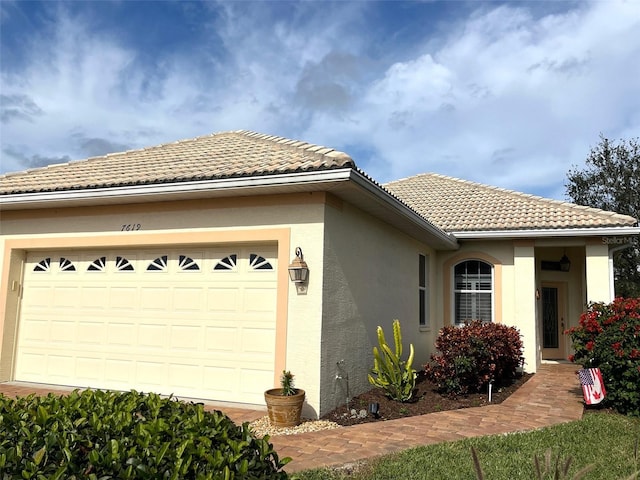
592 385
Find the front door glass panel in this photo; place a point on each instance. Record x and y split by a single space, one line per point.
549 317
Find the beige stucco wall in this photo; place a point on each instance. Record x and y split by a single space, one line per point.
498 253
363 273
370 279
10 289
524 298
521 277
289 220
514 287
597 271
571 281
304 320
515 282
1 247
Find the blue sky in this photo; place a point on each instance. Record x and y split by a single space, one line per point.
511 94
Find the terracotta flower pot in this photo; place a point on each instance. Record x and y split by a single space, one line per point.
283 410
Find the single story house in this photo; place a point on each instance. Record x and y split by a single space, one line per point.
166 269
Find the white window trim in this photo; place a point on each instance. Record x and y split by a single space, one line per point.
452 289
426 290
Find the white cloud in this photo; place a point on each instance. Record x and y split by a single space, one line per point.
507 99
505 96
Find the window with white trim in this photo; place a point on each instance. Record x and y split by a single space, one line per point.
228 263
423 291
473 292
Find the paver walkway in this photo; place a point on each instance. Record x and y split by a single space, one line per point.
551 396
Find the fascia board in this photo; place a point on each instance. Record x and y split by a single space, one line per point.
447 240
151 192
547 233
323 180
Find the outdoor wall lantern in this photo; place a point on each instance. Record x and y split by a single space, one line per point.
565 263
298 269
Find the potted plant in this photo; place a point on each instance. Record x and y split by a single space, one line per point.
284 404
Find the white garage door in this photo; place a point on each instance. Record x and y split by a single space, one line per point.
193 323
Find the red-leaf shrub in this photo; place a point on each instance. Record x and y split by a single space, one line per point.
608 337
473 355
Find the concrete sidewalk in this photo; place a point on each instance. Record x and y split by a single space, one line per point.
551 396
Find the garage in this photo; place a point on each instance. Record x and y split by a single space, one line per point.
192 322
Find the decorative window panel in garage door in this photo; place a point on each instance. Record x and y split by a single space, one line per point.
194 323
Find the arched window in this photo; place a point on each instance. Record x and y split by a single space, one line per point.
98 265
228 263
473 291
187 263
259 263
43 265
158 265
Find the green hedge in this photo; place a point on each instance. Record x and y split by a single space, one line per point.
104 435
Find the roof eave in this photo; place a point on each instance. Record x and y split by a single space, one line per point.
406 216
169 191
547 233
346 183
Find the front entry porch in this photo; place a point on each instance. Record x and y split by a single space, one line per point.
569 276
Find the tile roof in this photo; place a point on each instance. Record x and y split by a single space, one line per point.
451 204
457 205
221 155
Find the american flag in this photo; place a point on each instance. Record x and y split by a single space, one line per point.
592 385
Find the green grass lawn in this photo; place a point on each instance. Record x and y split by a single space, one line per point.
608 442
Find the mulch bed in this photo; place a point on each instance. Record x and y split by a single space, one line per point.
426 399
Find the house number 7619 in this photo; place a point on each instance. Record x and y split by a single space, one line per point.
128 227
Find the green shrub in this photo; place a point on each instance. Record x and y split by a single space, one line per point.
395 376
473 355
108 435
608 337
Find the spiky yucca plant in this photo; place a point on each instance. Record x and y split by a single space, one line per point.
395 376
286 382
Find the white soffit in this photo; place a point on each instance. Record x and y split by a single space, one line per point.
346 183
547 233
226 187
